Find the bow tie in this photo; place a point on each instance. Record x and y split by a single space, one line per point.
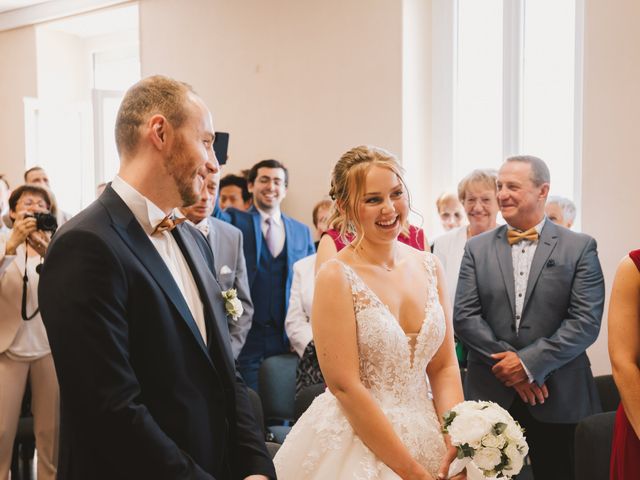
204 228
167 224
513 236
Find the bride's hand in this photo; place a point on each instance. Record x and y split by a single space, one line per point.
416 472
443 471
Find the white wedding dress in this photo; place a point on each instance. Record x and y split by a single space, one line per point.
322 444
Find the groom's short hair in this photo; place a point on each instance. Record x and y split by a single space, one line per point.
150 96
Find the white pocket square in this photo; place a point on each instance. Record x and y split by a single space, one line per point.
225 270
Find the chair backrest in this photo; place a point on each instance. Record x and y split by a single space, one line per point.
608 392
272 448
593 439
277 387
305 396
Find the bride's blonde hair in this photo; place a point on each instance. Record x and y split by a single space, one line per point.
347 187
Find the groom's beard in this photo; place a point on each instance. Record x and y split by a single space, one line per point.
180 167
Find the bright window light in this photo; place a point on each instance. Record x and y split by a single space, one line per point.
548 88
478 94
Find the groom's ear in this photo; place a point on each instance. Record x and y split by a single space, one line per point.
157 127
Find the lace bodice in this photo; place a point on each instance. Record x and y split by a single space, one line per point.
388 366
393 366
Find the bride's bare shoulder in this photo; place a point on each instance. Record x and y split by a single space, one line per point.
331 271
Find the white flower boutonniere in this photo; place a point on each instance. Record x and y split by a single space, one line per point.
232 305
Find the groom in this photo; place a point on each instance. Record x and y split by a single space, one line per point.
528 304
136 321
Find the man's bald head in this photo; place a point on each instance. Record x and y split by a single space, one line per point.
150 96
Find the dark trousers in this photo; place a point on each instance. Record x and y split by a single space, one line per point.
262 342
550 444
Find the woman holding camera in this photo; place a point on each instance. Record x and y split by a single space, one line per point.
24 348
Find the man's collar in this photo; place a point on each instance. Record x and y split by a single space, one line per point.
146 212
538 227
276 216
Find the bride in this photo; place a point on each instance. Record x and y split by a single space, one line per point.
380 321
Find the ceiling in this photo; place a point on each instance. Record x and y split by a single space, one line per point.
6 5
74 21
99 23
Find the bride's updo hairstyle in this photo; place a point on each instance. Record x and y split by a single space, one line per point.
348 180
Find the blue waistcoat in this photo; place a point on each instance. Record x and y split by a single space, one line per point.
269 290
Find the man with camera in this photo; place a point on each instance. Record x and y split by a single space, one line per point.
24 348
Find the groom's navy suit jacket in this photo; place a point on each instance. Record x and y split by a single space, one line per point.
142 395
298 244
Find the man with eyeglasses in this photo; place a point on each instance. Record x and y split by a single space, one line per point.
273 242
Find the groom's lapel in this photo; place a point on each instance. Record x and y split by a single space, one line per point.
132 234
210 291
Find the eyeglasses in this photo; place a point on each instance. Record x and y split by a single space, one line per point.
29 202
469 202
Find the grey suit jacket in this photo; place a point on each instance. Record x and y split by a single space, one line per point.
560 318
231 272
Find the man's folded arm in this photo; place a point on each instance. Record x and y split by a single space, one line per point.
251 456
579 329
469 324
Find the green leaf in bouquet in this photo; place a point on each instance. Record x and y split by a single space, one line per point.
464 450
499 427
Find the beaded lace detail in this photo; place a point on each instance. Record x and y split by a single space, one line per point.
394 373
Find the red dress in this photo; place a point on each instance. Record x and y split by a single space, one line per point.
414 239
625 451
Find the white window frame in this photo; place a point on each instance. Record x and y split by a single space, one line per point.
98 97
444 58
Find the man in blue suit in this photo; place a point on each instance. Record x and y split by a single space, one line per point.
273 242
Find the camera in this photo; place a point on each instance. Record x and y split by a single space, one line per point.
45 221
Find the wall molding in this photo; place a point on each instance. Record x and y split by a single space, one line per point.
51 10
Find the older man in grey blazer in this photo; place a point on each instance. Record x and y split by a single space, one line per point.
228 257
528 304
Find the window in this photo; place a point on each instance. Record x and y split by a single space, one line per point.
85 63
514 87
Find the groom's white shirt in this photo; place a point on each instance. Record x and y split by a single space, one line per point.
148 216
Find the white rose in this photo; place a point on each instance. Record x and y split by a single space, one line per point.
514 432
496 414
493 441
235 309
487 458
467 406
516 459
469 429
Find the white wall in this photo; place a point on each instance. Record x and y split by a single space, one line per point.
64 73
417 116
17 80
610 171
299 81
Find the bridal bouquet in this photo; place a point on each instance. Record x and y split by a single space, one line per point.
487 438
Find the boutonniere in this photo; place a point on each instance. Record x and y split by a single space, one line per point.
232 305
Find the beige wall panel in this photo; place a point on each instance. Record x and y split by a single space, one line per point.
299 81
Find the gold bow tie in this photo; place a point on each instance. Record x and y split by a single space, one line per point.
167 224
513 236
